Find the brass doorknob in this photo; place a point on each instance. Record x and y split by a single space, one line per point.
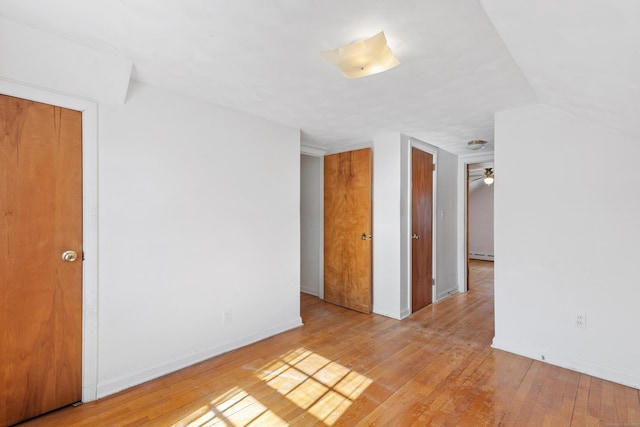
414 236
69 256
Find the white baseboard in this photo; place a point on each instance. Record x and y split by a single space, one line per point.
385 311
631 379
446 294
483 257
130 380
309 291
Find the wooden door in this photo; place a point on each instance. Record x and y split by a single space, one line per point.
347 229
40 294
422 230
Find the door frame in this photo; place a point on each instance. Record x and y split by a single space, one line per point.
406 220
463 161
89 111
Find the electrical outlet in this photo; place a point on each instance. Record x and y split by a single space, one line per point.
581 321
226 316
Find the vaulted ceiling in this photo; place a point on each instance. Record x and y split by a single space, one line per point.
460 60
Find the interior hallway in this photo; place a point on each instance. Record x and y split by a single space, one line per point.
347 368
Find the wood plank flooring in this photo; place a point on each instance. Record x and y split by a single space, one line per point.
351 369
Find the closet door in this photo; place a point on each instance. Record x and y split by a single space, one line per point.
422 229
347 229
40 258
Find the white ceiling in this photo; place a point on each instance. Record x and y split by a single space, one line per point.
456 69
582 56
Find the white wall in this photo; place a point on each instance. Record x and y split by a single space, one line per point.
446 226
198 214
386 225
311 224
392 219
566 242
481 221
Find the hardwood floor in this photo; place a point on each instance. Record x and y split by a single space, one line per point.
352 369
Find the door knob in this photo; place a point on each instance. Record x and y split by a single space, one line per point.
364 237
414 236
69 256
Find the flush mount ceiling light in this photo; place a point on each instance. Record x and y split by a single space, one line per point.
476 144
363 58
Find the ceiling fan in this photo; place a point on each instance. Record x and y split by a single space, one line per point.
487 175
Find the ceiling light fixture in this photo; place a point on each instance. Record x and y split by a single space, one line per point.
363 58
476 144
488 176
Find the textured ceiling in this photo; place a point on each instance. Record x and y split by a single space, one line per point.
582 56
455 72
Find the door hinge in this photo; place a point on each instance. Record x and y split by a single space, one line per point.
433 281
434 167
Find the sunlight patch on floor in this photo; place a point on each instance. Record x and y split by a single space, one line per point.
236 407
322 388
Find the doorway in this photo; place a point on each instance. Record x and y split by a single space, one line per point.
479 214
462 256
311 224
